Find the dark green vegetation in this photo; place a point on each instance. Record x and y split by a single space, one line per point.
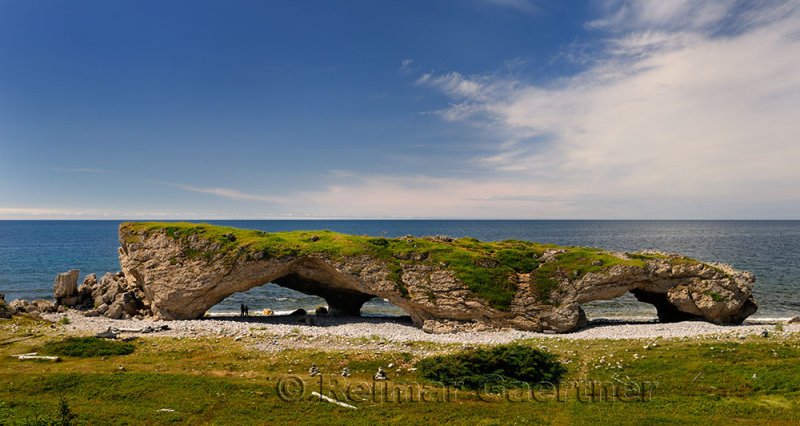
506 365
489 269
221 381
62 417
85 347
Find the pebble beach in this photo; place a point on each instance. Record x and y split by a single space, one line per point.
287 331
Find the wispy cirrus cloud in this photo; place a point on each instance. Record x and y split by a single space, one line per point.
79 170
686 100
407 65
232 194
668 119
33 211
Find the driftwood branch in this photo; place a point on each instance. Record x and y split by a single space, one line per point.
35 355
333 401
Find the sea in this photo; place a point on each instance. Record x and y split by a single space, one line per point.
32 253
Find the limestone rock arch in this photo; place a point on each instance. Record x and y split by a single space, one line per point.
182 276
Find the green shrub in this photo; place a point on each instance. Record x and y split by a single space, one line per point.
64 320
508 365
84 347
5 413
64 416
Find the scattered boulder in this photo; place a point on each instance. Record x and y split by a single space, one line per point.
268 312
65 288
38 307
85 291
19 306
69 301
128 302
114 311
381 375
5 310
45 306
793 320
66 284
314 238
107 289
321 310
298 312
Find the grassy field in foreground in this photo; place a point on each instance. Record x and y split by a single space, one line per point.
222 381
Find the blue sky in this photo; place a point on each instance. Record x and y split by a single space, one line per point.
408 109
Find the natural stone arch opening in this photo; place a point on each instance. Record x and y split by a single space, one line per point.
382 308
340 301
628 302
283 300
341 292
269 296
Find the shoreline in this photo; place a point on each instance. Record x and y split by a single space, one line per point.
621 317
345 332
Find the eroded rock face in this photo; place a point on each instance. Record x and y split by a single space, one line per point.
182 277
5 310
66 286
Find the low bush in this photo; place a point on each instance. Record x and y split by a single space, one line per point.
85 347
508 365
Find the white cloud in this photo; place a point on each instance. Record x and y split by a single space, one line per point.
232 194
428 197
32 211
690 110
672 110
673 119
454 84
663 15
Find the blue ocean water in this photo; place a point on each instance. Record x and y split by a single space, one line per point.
32 253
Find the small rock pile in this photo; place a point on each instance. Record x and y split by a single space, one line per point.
38 307
112 296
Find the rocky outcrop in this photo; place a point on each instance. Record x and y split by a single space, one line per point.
65 288
19 306
111 296
179 271
5 311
